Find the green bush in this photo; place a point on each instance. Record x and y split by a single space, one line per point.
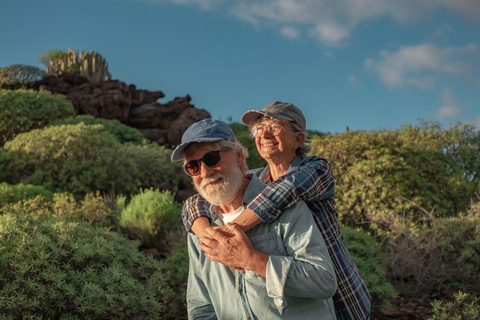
15 193
175 274
92 209
120 131
150 216
153 168
404 171
19 74
24 110
438 252
51 268
84 159
243 135
463 307
370 260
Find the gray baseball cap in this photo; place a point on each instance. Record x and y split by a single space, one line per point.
277 110
207 130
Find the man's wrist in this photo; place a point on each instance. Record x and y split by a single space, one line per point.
257 263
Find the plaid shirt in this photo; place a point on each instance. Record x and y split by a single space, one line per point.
309 179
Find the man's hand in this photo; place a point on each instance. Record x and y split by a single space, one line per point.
231 247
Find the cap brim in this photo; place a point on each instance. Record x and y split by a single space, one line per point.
251 116
180 150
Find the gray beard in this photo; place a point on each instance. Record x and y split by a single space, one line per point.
224 192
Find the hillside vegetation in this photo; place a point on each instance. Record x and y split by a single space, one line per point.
81 198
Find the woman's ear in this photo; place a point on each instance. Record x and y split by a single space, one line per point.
300 139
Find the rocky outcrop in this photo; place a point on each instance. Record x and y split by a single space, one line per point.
113 99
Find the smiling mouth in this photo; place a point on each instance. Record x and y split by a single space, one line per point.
268 144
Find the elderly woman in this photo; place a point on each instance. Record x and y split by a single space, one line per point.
279 132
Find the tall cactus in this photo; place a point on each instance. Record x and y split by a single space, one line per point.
89 64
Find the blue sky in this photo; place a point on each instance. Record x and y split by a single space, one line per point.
365 64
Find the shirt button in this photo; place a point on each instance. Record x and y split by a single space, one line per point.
240 290
248 318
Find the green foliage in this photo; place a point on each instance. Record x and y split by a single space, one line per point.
24 110
370 260
84 159
51 268
150 215
175 275
403 171
89 64
122 132
19 74
15 193
463 307
439 251
243 135
92 209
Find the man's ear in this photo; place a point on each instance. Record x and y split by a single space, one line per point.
240 158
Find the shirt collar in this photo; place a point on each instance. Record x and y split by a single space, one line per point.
265 175
255 187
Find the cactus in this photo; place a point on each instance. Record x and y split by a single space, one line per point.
89 64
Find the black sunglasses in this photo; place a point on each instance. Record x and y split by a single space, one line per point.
211 159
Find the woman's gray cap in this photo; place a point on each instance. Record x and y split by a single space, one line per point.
277 110
207 130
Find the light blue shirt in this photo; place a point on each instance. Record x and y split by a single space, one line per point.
300 278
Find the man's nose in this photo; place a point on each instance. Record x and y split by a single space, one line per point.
205 171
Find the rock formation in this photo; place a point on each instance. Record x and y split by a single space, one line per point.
113 99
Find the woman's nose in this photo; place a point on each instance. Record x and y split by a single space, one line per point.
267 132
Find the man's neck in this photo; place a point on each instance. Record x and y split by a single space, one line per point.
237 201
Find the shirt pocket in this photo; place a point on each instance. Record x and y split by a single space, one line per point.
269 243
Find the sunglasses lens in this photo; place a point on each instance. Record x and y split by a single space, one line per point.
192 167
212 159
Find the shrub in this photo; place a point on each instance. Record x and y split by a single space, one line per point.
15 193
440 251
370 260
84 159
175 274
463 307
120 131
150 216
92 209
79 159
383 172
24 110
19 74
242 133
153 168
56 269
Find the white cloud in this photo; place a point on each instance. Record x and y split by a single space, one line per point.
416 65
442 31
352 79
331 35
449 112
290 32
331 22
451 109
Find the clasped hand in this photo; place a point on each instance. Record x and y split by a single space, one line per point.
228 245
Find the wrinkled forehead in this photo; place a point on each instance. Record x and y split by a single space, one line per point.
198 149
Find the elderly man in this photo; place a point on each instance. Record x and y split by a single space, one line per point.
288 273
